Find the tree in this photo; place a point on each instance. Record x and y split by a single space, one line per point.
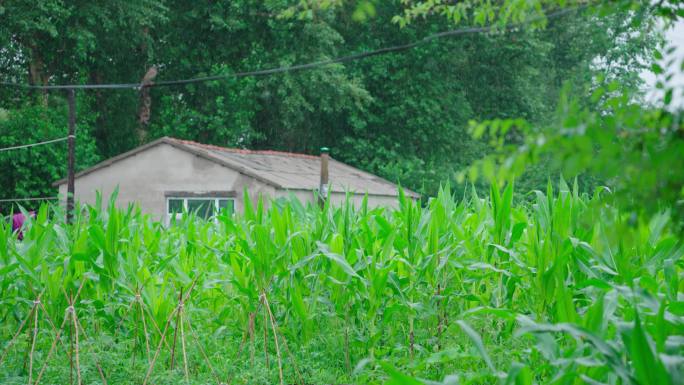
30 172
635 149
402 115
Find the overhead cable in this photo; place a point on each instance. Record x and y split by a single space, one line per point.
28 199
299 67
34 144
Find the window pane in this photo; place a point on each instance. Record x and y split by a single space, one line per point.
175 206
203 207
227 205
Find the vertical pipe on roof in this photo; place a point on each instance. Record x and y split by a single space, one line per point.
323 188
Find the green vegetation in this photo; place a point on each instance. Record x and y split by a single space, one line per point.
403 116
565 289
569 285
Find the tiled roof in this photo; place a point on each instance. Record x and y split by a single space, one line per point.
243 151
295 171
284 170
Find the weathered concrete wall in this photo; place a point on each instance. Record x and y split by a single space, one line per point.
144 178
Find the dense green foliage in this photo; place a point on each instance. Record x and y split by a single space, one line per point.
25 172
403 115
634 148
563 290
566 287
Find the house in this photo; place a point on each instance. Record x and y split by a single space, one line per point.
169 176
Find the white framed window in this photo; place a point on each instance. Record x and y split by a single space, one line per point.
203 207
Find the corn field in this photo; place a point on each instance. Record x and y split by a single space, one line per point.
561 288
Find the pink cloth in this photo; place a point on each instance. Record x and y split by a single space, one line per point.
18 222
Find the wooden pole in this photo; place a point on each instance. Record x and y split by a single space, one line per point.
71 157
323 188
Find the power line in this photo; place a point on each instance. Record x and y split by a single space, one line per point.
28 199
299 67
34 144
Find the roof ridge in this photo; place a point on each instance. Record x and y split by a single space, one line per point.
244 151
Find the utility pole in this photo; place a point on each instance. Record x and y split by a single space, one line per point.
323 188
71 157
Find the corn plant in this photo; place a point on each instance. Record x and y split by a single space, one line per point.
551 287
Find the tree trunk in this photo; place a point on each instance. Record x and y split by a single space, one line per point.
37 73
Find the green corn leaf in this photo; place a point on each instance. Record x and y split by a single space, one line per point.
477 340
396 377
647 366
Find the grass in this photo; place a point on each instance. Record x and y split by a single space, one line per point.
564 289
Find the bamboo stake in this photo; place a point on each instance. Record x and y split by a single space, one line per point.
16 335
250 328
54 328
166 327
242 344
118 325
33 343
78 292
439 316
185 357
445 317
47 316
78 362
97 364
411 338
265 327
142 316
21 326
143 311
71 345
75 326
40 304
229 380
128 309
204 354
135 345
275 338
347 358
292 357
59 332
156 326
156 353
287 349
71 300
52 349
29 336
175 330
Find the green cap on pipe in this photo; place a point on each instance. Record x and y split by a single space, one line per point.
325 150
